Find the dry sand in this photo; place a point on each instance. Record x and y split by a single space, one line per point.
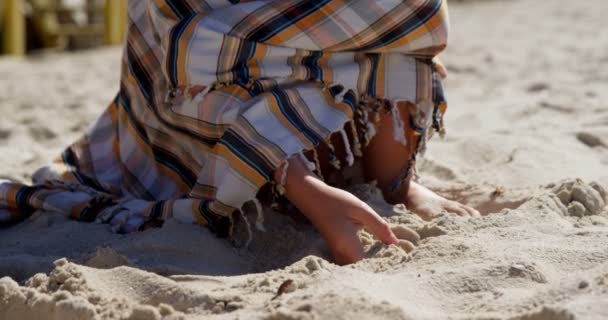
528 136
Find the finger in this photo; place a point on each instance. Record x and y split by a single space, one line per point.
458 210
377 226
406 246
405 233
472 211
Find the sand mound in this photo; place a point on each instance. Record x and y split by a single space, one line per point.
538 261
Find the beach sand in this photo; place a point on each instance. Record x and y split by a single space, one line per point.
527 144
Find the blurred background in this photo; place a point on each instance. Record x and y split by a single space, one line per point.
28 26
526 89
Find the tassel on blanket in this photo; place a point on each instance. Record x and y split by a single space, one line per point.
108 214
281 185
339 98
315 157
438 120
356 144
248 225
274 204
422 144
170 95
369 133
333 160
187 94
398 126
350 159
378 106
119 219
198 93
309 164
363 122
259 221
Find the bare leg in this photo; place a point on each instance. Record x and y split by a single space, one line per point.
337 214
385 159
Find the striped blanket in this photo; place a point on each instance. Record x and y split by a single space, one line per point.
216 94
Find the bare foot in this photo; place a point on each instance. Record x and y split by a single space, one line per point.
427 204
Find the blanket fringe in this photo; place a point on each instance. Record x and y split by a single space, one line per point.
309 164
363 129
259 221
333 159
350 159
398 126
281 185
249 231
356 144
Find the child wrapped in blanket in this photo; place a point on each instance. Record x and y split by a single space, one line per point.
226 102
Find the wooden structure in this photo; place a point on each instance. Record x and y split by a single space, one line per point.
45 18
13 27
115 21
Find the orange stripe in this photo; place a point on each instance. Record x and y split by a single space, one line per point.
243 169
306 23
77 209
114 117
380 76
221 209
202 191
140 142
340 106
323 62
274 107
421 31
386 24
164 8
198 218
12 200
253 63
248 132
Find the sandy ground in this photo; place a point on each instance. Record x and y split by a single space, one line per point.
527 144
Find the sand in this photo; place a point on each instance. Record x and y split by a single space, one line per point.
527 145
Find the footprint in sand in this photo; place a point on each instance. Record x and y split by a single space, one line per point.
591 140
437 170
5 134
582 199
556 107
42 133
538 87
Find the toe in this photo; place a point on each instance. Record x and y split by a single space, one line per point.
406 246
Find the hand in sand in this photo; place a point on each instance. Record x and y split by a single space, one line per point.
337 214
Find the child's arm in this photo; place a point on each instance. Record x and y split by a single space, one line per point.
336 213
